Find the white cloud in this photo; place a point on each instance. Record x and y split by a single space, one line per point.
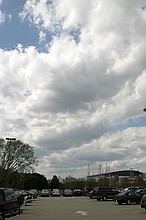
68 101
2 17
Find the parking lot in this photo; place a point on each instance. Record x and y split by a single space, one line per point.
69 208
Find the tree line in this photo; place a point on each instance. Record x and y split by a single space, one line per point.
17 162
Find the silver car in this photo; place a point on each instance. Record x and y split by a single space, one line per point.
67 192
45 193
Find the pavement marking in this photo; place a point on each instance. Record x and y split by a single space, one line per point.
82 212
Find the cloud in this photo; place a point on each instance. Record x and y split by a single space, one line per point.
3 16
119 150
67 101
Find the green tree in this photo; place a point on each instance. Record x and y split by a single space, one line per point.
139 181
35 181
54 184
17 156
105 182
3 174
15 180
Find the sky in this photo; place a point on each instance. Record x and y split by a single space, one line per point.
73 83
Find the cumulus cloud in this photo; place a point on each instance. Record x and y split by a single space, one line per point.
68 101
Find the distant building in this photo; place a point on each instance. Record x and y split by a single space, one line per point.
118 174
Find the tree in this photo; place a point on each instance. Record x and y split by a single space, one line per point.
54 184
35 181
16 156
15 180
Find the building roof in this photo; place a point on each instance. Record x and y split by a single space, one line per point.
130 172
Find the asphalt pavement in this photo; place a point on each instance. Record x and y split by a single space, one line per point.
78 208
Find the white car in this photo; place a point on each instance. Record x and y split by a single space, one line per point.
55 192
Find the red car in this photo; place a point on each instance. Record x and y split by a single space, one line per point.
86 191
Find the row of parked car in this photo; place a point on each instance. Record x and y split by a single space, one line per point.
11 201
128 195
57 192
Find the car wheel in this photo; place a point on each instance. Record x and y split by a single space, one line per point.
128 202
104 198
98 199
120 203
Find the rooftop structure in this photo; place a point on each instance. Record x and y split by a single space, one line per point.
118 174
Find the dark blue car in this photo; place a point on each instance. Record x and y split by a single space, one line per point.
128 197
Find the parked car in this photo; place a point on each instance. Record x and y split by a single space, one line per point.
133 188
128 197
103 193
77 192
27 196
86 191
2 204
143 201
34 193
8 203
45 193
67 192
141 191
55 192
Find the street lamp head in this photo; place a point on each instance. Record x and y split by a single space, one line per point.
11 139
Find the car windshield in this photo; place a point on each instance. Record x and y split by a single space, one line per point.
45 190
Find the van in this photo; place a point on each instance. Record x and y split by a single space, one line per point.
8 203
103 193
